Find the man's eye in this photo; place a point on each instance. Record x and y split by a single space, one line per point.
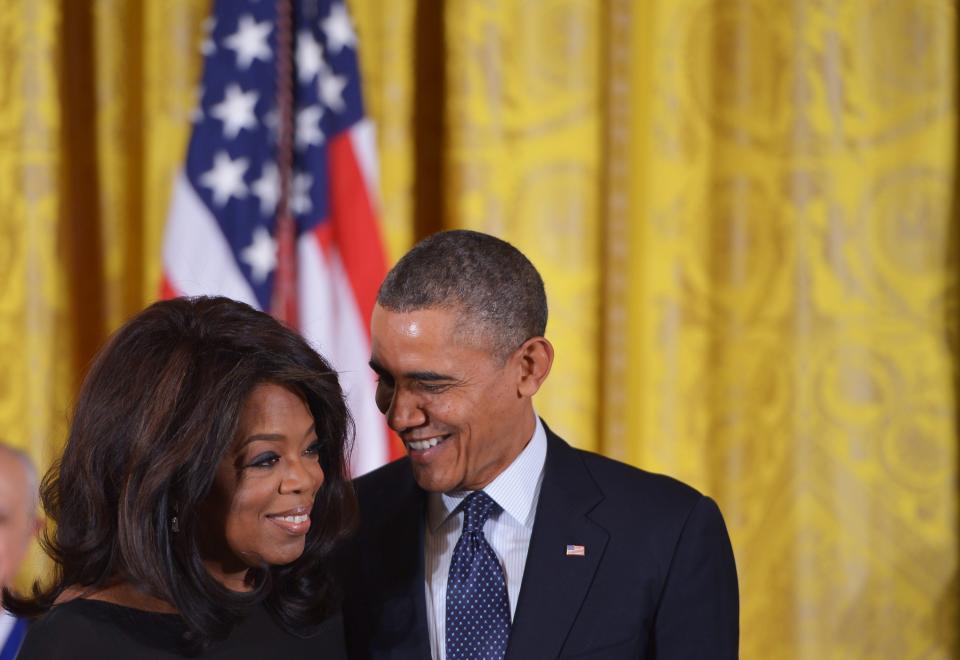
434 388
264 460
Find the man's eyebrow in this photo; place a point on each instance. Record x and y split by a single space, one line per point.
426 376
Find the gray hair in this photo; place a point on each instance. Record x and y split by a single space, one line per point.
488 281
29 470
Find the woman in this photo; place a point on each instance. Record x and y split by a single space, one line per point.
200 494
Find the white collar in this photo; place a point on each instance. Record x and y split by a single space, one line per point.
7 621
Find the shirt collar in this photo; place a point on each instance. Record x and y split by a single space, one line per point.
515 489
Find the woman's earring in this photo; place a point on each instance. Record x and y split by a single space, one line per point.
174 524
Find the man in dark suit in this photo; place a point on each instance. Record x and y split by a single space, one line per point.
494 538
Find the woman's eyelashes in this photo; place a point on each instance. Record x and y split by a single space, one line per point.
266 459
270 458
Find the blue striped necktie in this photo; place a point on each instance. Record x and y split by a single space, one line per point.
477 610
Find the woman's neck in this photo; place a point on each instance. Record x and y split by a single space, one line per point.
120 593
232 576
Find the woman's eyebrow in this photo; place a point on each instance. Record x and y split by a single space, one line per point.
270 437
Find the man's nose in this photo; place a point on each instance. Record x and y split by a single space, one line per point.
405 411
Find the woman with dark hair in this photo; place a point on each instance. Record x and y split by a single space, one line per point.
201 492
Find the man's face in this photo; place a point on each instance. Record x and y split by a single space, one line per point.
18 522
457 408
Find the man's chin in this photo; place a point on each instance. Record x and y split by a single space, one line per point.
431 480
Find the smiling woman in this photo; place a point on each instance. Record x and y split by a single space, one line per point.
201 491
264 489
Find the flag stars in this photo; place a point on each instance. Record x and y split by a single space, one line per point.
236 110
308 132
225 178
250 41
260 255
196 115
339 29
267 189
209 46
300 203
272 121
309 57
331 88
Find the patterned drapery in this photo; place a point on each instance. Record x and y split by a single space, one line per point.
745 212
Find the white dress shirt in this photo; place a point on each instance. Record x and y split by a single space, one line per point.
516 490
6 625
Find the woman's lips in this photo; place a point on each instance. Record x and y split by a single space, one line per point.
296 521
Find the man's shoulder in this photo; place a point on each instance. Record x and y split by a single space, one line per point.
385 476
635 480
387 491
642 511
635 492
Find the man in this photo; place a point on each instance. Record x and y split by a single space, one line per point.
493 537
19 524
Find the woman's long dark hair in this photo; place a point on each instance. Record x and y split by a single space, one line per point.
156 413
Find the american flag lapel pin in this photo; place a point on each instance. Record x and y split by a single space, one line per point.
576 551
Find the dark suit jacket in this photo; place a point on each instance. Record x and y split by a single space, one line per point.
658 578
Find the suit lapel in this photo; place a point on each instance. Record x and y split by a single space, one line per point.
555 583
400 610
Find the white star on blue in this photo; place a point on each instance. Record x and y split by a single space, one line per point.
239 91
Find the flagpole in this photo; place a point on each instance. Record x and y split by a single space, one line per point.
284 299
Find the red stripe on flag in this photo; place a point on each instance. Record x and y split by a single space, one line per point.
324 235
357 235
166 288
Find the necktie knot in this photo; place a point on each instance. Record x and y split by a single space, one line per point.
477 507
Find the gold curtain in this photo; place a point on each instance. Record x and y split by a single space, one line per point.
745 212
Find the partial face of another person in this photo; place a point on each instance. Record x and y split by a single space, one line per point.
462 413
18 519
265 487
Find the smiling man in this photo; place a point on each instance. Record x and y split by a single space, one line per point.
493 538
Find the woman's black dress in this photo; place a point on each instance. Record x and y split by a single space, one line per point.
96 630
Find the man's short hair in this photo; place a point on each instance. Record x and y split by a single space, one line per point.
29 470
488 281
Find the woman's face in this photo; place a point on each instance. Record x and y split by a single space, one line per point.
260 503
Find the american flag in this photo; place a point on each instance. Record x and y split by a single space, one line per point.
221 233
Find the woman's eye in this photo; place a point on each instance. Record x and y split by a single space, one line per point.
264 460
313 449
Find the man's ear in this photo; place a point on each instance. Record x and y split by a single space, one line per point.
535 358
